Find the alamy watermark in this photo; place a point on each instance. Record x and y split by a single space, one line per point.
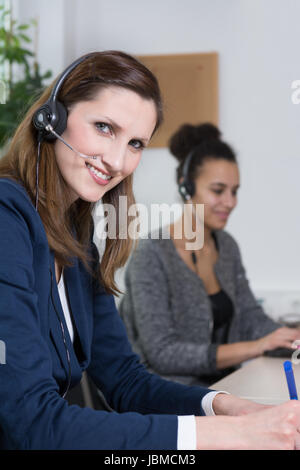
2 352
296 93
140 221
3 92
296 353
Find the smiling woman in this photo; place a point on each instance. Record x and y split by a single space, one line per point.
118 146
108 106
203 320
114 106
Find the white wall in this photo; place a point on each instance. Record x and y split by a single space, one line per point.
258 42
51 30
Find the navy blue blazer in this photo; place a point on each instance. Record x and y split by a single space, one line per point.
33 414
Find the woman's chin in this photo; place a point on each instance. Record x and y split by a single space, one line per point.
220 225
91 196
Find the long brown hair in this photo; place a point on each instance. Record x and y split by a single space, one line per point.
99 70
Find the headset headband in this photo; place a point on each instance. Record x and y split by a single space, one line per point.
53 112
64 75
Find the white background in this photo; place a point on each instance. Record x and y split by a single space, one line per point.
258 42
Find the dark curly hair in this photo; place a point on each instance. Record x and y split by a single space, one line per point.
204 140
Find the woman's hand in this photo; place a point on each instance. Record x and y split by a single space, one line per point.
281 338
235 353
231 405
273 427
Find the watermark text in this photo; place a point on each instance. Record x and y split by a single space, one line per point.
2 352
138 221
3 92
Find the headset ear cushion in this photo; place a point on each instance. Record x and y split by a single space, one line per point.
42 117
54 113
182 191
186 190
190 187
61 118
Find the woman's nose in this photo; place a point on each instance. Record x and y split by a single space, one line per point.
114 158
229 200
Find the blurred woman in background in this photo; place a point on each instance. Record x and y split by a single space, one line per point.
190 314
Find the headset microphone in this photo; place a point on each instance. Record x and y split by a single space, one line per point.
49 128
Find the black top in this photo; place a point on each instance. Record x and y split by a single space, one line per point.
222 308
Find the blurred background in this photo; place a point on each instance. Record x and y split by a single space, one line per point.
258 47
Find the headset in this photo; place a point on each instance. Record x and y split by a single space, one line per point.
187 187
50 120
53 115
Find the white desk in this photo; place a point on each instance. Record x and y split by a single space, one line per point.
261 380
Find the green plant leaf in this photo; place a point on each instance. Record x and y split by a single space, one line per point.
25 38
15 48
22 27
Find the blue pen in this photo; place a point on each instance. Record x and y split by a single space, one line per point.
288 369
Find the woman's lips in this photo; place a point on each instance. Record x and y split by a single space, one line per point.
222 215
97 179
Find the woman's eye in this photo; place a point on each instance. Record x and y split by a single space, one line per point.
218 191
136 144
105 128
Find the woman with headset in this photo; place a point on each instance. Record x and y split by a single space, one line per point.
78 144
190 313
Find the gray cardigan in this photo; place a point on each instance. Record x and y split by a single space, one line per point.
168 314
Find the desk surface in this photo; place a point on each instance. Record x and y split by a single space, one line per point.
261 380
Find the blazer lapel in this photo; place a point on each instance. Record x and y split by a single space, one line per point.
58 328
74 292
79 297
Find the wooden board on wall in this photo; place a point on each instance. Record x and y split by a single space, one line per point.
189 85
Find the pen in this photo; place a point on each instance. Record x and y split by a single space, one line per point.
288 369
